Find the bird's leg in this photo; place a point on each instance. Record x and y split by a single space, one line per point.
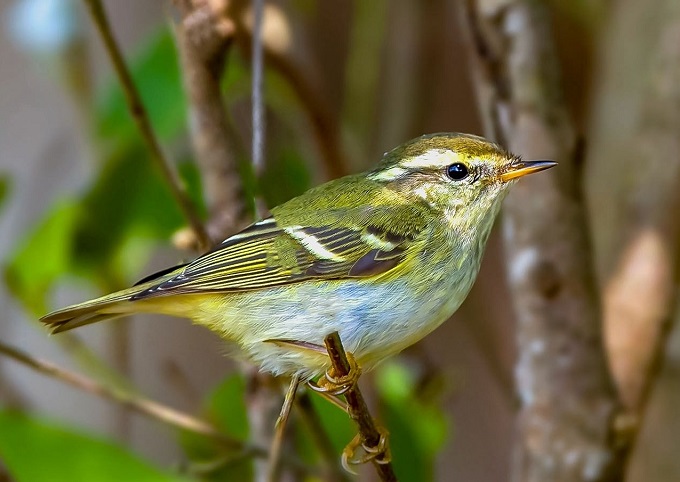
280 427
334 399
333 384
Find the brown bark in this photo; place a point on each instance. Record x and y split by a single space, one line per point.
567 398
204 38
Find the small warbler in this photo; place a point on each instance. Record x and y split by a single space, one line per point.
383 257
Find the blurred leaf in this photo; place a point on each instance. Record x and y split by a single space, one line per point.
335 423
128 204
43 256
4 187
286 176
156 74
33 450
418 430
225 407
362 75
129 198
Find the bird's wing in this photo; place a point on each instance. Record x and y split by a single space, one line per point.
266 254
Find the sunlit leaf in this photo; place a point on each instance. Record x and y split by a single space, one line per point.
34 450
155 71
43 256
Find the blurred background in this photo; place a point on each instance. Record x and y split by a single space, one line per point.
83 211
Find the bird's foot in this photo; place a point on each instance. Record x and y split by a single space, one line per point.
379 453
333 384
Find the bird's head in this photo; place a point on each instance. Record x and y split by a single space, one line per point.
463 176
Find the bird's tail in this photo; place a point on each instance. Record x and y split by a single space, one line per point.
107 307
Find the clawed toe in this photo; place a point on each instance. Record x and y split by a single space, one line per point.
337 385
379 453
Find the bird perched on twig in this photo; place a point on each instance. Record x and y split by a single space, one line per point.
382 257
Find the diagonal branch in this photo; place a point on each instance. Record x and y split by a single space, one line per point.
135 402
141 117
357 408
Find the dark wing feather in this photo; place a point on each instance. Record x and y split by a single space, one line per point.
266 254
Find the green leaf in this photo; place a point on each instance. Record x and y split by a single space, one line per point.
34 450
414 440
225 407
156 74
43 256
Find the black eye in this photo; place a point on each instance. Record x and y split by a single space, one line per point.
457 171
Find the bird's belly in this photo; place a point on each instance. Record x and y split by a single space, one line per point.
374 321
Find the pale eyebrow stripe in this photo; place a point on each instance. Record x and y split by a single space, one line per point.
433 158
389 175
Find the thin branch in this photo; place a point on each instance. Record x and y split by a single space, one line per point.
358 410
258 121
324 124
257 97
140 115
568 402
140 404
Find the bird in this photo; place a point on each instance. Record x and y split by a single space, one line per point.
382 257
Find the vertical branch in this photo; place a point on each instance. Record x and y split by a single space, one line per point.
141 118
204 38
567 399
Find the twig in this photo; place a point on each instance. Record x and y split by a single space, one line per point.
257 97
324 124
567 398
139 113
140 404
258 121
280 429
358 410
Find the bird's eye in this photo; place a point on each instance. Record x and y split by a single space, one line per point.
457 171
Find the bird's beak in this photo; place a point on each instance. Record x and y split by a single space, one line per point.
522 168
